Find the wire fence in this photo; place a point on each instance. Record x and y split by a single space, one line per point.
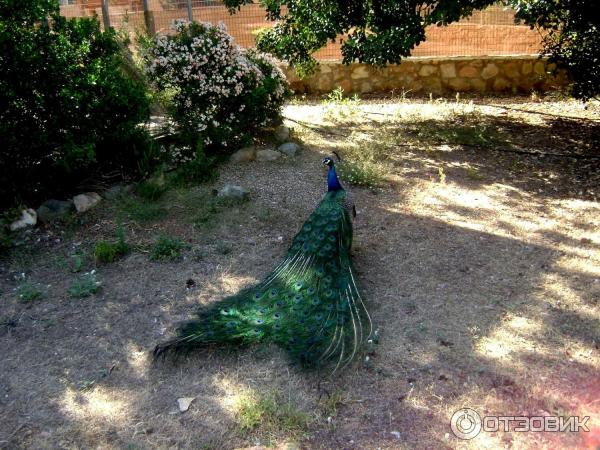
492 31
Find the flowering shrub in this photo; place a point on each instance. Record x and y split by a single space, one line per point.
220 92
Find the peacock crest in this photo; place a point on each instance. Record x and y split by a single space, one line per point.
309 304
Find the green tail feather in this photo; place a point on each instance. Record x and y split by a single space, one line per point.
309 304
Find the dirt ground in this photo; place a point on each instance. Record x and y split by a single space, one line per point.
479 254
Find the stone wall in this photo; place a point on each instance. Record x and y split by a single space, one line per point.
518 74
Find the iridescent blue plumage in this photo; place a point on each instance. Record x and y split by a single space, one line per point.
309 304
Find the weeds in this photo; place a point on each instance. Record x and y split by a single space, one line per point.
107 252
474 174
361 173
151 190
77 260
338 106
141 211
84 286
29 292
331 404
271 414
166 248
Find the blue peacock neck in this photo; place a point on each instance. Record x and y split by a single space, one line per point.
333 184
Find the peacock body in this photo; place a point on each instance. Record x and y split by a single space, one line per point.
309 304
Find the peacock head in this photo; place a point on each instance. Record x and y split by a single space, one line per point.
333 184
328 162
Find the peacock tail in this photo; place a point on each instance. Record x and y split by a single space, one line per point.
309 304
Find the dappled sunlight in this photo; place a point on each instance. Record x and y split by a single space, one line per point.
514 335
97 404
139 359
231 393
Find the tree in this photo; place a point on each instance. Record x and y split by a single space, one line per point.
374 31
571 38
380 32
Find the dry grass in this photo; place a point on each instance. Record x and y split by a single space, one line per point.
485 288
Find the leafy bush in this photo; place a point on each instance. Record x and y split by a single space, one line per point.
220 93
166 248
66 106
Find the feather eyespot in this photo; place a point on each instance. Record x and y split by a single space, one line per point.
257 296
298 285
297 298
273 293
315 301
311 290
231 324
319 316
276 316
259 321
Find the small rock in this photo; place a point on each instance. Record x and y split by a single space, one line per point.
233 192
282 133
184 403
245 154
267 155
28 219
54 209
396 434
86 201
289 148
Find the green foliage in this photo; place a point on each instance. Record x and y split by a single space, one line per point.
219 93
377 33
361 173
85 285
140 210
199 169
271 414
336 105
66 106
166 248
151 189
76 262
107 252
571 38
28 291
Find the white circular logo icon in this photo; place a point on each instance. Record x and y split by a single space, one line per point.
465 423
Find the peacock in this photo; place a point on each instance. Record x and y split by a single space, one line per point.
309 304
